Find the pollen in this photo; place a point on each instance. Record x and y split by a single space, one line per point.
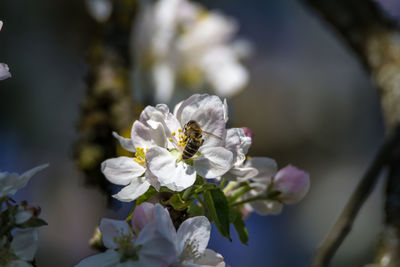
140 155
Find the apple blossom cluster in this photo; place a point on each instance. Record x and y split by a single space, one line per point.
152 240
218 182
179 44
4 70
18 222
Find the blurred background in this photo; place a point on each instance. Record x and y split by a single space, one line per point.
309 102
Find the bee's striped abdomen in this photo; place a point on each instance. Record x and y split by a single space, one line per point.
191 148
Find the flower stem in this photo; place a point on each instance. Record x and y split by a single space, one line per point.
130 214
238 193
262 197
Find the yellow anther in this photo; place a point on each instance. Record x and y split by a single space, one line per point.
180 130
140 155
173 133
170 139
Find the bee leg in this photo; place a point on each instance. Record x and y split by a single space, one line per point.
202 141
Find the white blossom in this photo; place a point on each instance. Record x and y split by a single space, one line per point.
154 242
11 182
22 249
159 141
211 161
178 44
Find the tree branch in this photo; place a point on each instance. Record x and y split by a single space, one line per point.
345 221
375 40
108 105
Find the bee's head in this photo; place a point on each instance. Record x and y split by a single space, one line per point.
192 126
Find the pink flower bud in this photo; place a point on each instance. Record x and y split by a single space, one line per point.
248 132
292 183
143 214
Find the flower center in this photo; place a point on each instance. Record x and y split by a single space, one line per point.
140 155
180 139
189 253
126 248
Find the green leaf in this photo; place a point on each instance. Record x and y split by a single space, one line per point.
195 210
240 226
218 210
178 203
204 187
34 222
146 196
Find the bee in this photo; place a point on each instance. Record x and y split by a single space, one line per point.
194 135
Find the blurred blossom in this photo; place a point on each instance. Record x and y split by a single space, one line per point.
100 10
11 182
4 70
23 247
153 241
180 45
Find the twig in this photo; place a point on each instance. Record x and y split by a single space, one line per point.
345 221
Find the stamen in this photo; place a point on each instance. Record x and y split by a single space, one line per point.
140 155
173 133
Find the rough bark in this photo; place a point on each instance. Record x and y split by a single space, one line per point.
375 40
108 105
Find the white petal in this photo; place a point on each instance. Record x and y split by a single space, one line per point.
160 117
22 216
238 143
226 113
112 229
176 108
266 167
213 162
177 176
4 71
142 215
135 189
121 170
241 174
228 79
25 243
164 81
150 112
195 232
145 136
1 24
206 110
210 258
265 207
10 183
164 223
223 70
107 259
158 238
126 143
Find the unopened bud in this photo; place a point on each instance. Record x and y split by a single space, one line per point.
292 183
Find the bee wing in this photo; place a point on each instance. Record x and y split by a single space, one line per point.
204 132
